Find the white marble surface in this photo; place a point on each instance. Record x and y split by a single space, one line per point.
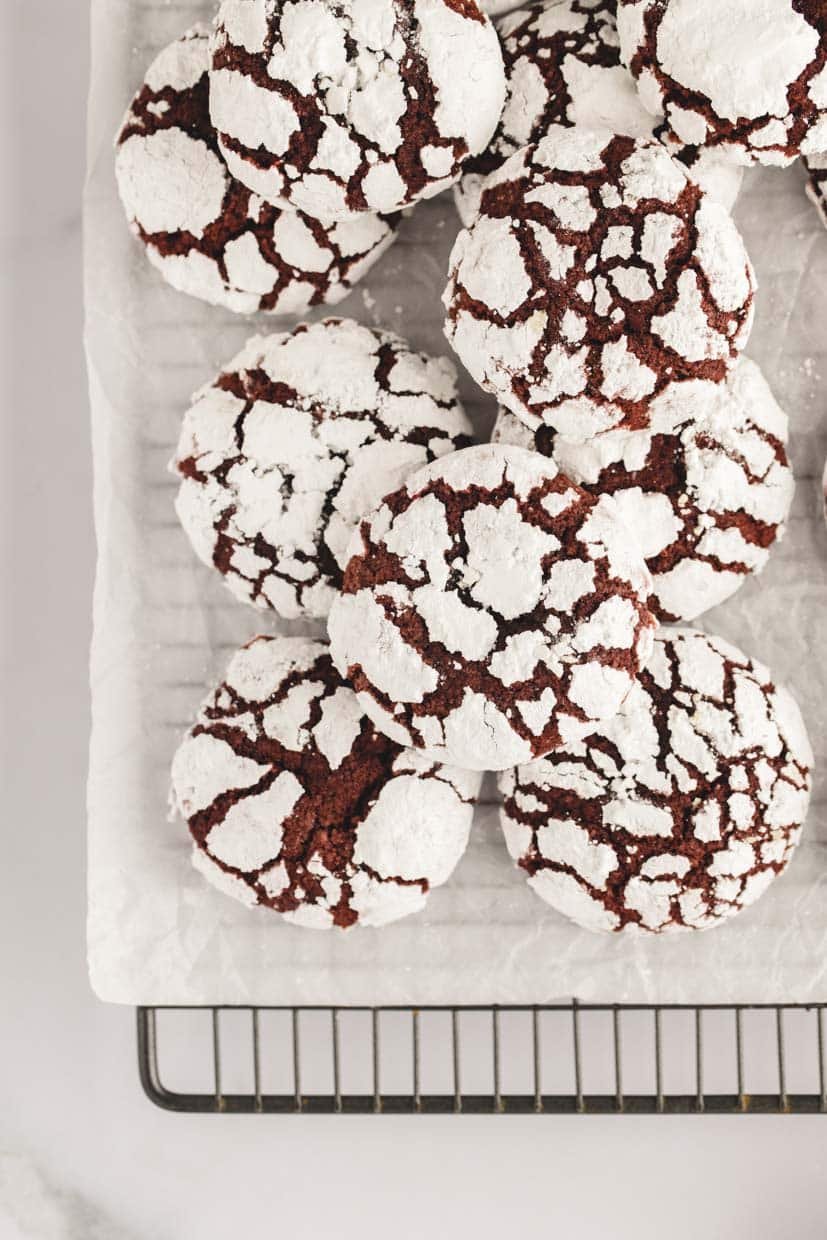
82 1155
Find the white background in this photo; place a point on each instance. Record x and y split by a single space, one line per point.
82 1154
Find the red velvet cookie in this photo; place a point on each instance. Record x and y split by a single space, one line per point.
596 273
489 606
298 437
336 106
745 77
563 67
206 233
706 489
295 801
678 813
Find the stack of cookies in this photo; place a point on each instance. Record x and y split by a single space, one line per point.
264 163
508 606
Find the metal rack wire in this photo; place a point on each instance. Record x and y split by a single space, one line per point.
555 1059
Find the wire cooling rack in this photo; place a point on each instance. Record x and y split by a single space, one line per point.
556 1059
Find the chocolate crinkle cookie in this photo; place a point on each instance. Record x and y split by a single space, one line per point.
295 801
678 813
706 489
490 605
745 77
596 273
563 67
205 232
336 106
298 437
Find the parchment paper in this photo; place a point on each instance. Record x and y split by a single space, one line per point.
164 628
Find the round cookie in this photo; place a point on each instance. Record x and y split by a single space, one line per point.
294 801
747 78
563 67
336 106
705 490
595 273
298 437
207 234
678 813
490 605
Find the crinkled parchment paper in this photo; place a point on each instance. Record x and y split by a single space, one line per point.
164 628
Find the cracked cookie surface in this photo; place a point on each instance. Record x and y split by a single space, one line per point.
489 606
747 78
298 437
563 67
706 489
341 106
678 813
594 274
295 802
205 232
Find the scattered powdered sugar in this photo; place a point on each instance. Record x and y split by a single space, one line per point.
680 811
747 78
298 437
705 489
205 232
342 106
294 800
595 273
563 67
489 606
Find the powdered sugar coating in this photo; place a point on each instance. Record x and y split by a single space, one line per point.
298 437
488 606
710 168
294 801
678 813
341 106
595 273
563 67
206 233
705 490
744 77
